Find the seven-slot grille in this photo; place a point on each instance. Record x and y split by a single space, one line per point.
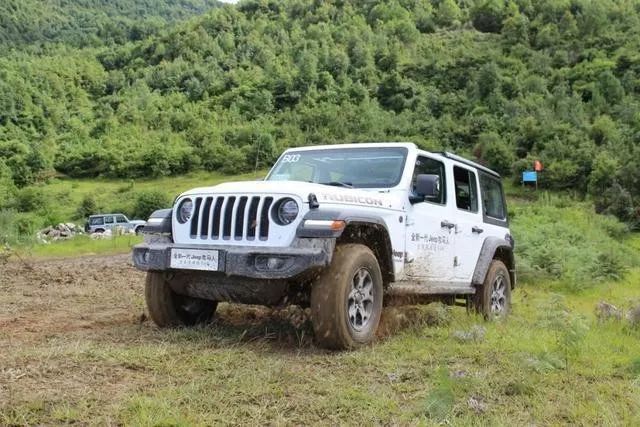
231 217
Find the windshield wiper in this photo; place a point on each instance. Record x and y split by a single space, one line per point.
338 184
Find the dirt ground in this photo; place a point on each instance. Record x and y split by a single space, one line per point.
47 307
53 310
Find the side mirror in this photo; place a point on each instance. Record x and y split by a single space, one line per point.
427 187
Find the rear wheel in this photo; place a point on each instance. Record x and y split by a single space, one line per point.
346 301
169 309
493 298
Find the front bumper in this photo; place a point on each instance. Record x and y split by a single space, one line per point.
244 261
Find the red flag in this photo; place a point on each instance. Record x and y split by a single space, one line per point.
537 166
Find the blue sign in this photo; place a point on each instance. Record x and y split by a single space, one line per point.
529 176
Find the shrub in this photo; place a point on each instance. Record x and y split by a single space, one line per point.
607 266
617 201
569 245
148 201
88 206
7 188
16 228
495 152
8 232
30 199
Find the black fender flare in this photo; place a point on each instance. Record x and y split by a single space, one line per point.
490 246
336 215
159 222
350 218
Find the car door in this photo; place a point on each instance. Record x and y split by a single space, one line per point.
469 224
109 222
123 222
429 238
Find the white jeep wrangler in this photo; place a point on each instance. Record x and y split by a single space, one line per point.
336 228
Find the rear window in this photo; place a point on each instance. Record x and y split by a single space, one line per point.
98 220
492 197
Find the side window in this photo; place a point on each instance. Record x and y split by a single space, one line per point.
492 197
108 220
121 219
466 189
425 165
96 220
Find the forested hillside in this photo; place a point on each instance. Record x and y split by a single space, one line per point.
89 22
504 81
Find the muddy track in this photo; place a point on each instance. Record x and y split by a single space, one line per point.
63 323
90 296
44 298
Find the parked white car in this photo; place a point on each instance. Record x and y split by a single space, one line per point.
100 223
338 228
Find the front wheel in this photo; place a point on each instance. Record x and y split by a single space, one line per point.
170 309
493 298
346 301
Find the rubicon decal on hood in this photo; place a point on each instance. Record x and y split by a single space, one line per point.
347 198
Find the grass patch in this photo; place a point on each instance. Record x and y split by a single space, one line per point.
561 242
84 245
113 195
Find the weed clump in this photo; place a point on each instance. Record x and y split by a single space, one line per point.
569 328
440 401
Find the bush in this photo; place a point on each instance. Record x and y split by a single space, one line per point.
8 232
495 153
607 266
30 199
567 244
7 188
148 201
88 206
616 201
16 228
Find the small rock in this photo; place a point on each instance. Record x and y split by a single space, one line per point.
477 405
459 373
633 316
606 311
475 334
393 377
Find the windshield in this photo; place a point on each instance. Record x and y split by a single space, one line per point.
368 167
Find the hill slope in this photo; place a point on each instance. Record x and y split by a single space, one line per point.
90 22
507 82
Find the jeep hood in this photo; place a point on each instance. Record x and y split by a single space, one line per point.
326 194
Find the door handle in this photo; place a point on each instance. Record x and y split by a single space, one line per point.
447 224
477 230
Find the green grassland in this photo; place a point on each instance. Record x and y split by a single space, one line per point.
83 246
113 195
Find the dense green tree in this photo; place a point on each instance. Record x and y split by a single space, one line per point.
135 89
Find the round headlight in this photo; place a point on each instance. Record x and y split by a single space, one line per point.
287 211
184 211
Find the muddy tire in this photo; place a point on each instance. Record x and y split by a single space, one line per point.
170 309
493 298
346 300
